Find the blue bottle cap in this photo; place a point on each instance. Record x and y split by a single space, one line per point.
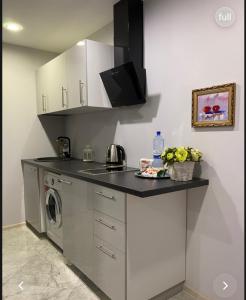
158 133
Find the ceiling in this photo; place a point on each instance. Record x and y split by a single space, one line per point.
55 25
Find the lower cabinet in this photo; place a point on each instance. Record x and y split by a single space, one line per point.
132 248
109 202
77 213
31 196
109 229
109 259
94 241
109 269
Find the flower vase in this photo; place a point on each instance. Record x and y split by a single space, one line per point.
181 171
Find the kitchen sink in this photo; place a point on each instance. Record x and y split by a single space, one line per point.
47 159
102 171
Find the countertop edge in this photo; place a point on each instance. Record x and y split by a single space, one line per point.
143 194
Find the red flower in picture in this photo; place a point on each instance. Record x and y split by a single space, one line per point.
216 108
207 109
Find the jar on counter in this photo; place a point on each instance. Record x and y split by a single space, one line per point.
88 154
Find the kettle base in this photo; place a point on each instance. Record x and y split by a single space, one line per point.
87 160
115 167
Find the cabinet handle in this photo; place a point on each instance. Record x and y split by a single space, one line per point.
81 86
43 104
105 196
64 181
66 91
106 251
105 224
63 98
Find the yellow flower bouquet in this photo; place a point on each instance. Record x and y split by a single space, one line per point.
181 161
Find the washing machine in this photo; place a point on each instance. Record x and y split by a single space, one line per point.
53 204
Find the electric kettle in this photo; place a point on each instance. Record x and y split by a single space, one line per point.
115 155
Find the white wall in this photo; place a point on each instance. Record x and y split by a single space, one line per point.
104 35
24 136
185 49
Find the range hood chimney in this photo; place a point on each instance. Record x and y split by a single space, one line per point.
125 83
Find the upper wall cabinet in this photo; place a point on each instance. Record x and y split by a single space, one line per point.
42 89
70 83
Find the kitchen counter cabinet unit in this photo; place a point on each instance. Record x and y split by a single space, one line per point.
131 248
127 234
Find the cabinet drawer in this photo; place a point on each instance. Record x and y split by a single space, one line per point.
109 269
110 230
109 202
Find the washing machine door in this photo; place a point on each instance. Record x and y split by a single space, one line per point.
53 208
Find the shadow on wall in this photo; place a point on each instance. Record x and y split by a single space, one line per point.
99 128
212 215
143 113
95 128
40 139
216 223
53 126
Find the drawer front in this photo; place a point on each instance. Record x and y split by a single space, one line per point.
109 269
109 230
109 202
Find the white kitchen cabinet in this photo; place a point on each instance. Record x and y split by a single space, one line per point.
99 58
57 85
42 90
76 76
71 80
77 215
52 86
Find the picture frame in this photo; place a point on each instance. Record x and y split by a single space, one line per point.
214 106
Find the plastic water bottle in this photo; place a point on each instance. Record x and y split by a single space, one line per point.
158 147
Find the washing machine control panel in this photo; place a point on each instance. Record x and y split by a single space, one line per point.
52 180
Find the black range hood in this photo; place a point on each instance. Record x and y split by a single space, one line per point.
125 83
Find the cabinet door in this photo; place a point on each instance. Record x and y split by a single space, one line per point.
42 89
77 216
31 196
100 57
57 84
76 75
109 269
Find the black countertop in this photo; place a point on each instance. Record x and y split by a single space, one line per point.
126 182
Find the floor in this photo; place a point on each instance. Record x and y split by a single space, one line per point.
33 269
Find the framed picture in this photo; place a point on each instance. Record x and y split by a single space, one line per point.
214 106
